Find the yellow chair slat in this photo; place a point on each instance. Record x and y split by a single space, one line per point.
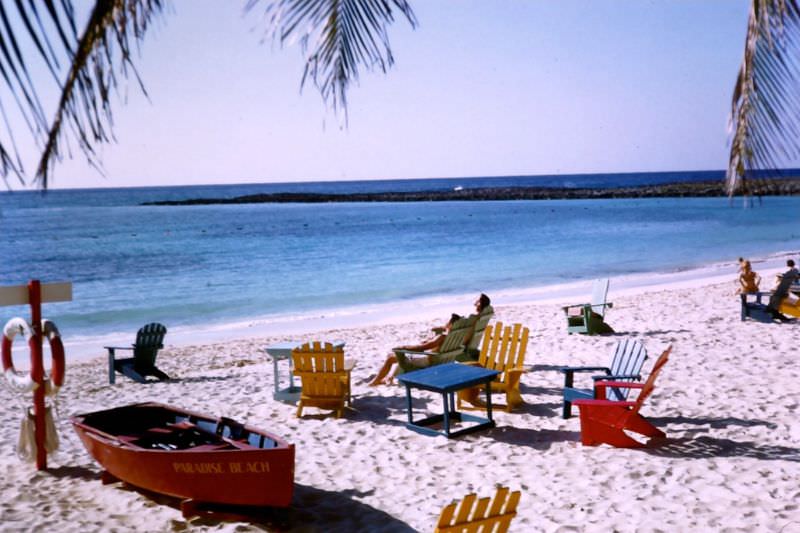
473 518
503 350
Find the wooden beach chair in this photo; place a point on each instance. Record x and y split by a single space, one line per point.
453 345
486 514
605 421
503 350
324 376
591 317
473 351
626 365
149 339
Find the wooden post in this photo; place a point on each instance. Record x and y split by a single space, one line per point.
37 373
34 294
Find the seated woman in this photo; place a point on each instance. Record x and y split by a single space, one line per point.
429 345
748 280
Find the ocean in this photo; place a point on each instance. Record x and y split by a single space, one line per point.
203 268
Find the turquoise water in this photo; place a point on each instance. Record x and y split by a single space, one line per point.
201 265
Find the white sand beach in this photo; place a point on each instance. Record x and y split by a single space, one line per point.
727 400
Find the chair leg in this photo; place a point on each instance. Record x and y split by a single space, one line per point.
299 408
129 371
513 399
595 432
567 410
641 425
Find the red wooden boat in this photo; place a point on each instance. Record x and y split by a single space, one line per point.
196 457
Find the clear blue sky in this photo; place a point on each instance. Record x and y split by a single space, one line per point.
479 89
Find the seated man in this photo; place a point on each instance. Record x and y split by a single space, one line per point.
748 280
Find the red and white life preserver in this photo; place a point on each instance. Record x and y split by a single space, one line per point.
24 382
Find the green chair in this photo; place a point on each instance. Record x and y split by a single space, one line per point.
473 350
591 317
453 345
149 339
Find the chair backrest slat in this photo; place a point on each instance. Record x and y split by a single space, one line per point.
458 334
484 514
480 327
629 357
149 339
599 293
649 385
504 348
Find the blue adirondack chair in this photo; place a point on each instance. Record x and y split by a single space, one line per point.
591 317
149 339
626 364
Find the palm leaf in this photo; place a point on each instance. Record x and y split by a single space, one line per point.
338 37
46 31
765 108
102 52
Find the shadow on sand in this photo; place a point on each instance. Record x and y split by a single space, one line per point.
312 509
706 447
538 439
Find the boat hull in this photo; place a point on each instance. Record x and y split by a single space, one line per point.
221 470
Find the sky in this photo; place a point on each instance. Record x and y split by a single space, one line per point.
479 88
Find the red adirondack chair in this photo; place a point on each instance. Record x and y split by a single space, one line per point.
603 421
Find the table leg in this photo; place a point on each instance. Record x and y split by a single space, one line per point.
408 404
111 370
489 401
291 374
275 373
446 415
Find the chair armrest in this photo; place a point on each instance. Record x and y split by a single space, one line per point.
621 384
515 372
438 330
566 308
610 377
602 403
566 369
119 347
411 352
470 363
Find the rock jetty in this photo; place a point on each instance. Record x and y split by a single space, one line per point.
780 187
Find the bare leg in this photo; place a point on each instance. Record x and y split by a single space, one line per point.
387 365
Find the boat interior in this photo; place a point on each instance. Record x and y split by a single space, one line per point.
155 428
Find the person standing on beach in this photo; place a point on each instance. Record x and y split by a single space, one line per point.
748 280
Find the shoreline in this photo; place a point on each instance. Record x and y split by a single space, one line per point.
699 189
428 308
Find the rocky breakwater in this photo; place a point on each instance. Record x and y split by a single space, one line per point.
783 187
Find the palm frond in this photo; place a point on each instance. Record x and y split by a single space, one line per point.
765 108
338 37
47 32
102 53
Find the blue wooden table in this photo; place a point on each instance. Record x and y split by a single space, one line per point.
446 380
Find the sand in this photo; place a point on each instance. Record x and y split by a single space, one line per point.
727 400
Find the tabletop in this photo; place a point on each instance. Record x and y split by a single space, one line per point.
448 377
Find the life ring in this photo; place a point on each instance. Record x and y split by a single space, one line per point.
25 383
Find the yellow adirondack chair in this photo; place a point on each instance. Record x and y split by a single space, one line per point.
479 515
324 375
503 350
